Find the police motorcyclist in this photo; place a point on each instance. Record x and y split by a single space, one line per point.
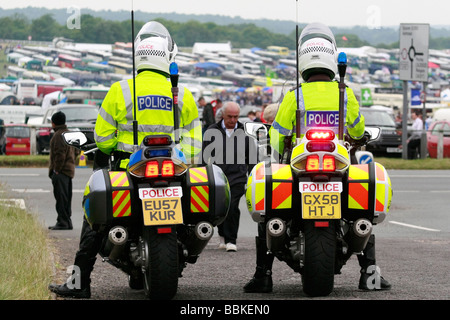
318 67
155 50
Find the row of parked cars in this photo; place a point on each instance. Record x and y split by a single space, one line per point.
83 117
78 117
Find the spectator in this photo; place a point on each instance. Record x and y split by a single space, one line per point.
270 112
61 171
226 137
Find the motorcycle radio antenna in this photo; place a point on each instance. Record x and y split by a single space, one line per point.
297 111
135 123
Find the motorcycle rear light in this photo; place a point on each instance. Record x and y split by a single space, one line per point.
329 163
164 230
168 168
152 169
157 141
315 146
320 135
312 163
321 224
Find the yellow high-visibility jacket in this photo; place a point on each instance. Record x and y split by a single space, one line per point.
319 105
154 100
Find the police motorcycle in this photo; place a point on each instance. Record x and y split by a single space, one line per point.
158 214
320 205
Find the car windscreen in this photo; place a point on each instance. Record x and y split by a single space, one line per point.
18 132
377 118
80 114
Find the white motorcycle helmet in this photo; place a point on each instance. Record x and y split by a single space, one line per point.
317 51
154 48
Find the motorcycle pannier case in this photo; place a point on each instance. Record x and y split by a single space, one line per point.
206 195
108 195
269 190
369 193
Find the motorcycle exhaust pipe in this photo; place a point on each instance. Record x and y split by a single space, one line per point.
118 237
358 235
204 231
276 234
197 241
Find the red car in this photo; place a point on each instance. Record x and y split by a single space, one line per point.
17 139
433 136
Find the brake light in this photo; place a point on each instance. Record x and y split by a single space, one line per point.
320 135
152 169
329 163
315 146
157 141
312 163
168 169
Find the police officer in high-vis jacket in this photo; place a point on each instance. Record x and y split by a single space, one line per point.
154 103
318 100
155 108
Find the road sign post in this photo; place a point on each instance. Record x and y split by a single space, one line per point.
413 66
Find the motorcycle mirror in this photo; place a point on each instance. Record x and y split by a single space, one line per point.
256 130
74 139
374 133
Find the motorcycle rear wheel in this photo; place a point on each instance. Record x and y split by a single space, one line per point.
161 266
320 254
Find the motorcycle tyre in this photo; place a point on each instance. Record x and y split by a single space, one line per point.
320 254
161 275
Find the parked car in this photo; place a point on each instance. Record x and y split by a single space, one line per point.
78 117
433 138
17 139
390 139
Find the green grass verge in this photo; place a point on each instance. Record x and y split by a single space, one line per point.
25 263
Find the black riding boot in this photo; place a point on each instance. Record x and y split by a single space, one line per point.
370 273
90 243
262 279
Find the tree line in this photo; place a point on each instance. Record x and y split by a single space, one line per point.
92 29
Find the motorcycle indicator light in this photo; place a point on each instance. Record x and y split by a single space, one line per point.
152 169
329 163
320 135
312 163
168 169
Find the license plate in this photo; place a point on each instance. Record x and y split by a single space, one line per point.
161 206
393 150
19 145
321 200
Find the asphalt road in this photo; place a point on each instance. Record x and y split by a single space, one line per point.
412 247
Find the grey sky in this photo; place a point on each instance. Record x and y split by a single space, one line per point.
371 13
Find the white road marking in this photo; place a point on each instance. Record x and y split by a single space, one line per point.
413 226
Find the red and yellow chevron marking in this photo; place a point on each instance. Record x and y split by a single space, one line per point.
260 193
281 195
119 179
358 172
121 203
200 199
358 196
198 175
281 171
260 171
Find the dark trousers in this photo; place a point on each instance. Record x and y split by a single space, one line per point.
62 190
229 228
90 245
413 148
